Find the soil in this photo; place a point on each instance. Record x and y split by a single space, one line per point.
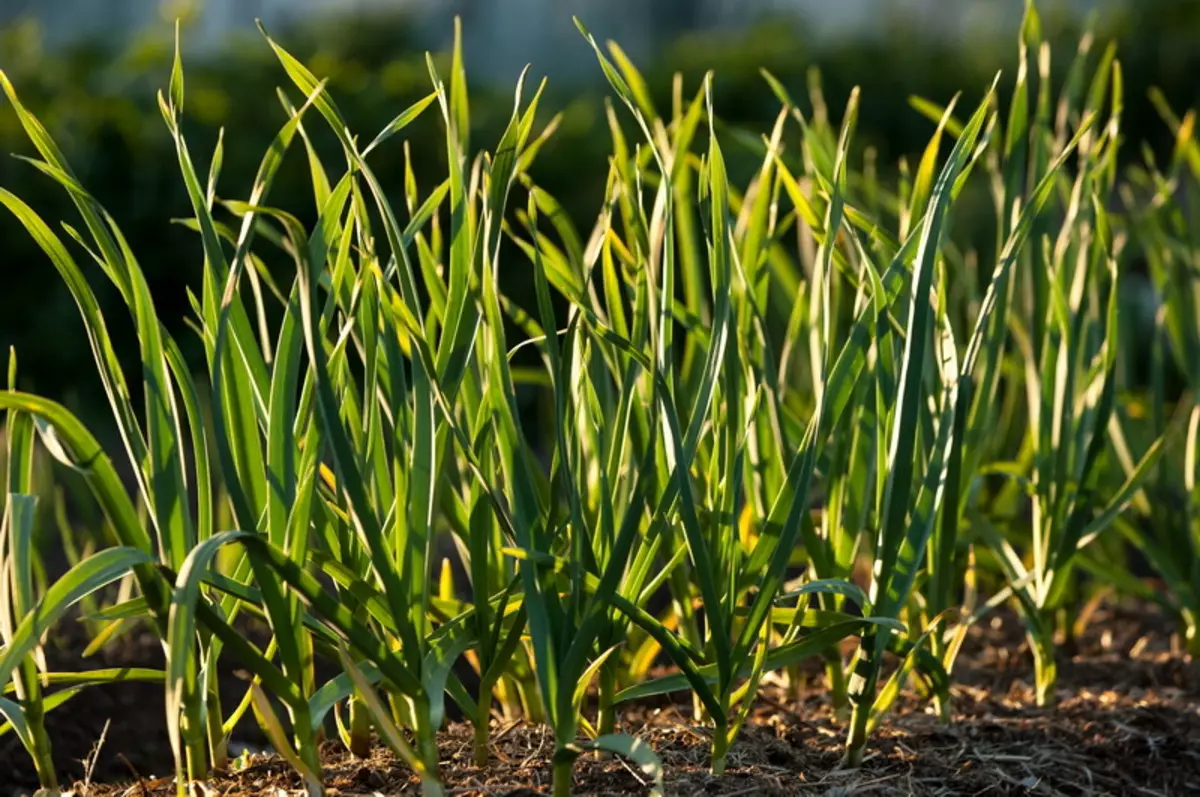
1127 722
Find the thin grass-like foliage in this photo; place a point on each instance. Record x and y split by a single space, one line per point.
771 416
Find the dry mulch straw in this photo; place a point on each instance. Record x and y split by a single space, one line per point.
1127 722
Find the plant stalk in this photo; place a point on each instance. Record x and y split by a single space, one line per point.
720 749
606 721
482 752
427 748
941 697
836 675
218 742
432 787
1045 671
862 698
195 735
360 728
561 776
1191 633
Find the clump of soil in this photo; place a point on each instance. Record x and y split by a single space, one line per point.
1127 722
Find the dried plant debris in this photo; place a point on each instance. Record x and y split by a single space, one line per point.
1127 722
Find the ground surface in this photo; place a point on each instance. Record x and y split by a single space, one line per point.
1128 722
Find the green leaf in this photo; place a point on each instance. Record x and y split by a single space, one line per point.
89 575
444 651
16 721
402 120
176 85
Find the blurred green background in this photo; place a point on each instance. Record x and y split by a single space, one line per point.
90 70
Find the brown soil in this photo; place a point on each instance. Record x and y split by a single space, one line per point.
1128 722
